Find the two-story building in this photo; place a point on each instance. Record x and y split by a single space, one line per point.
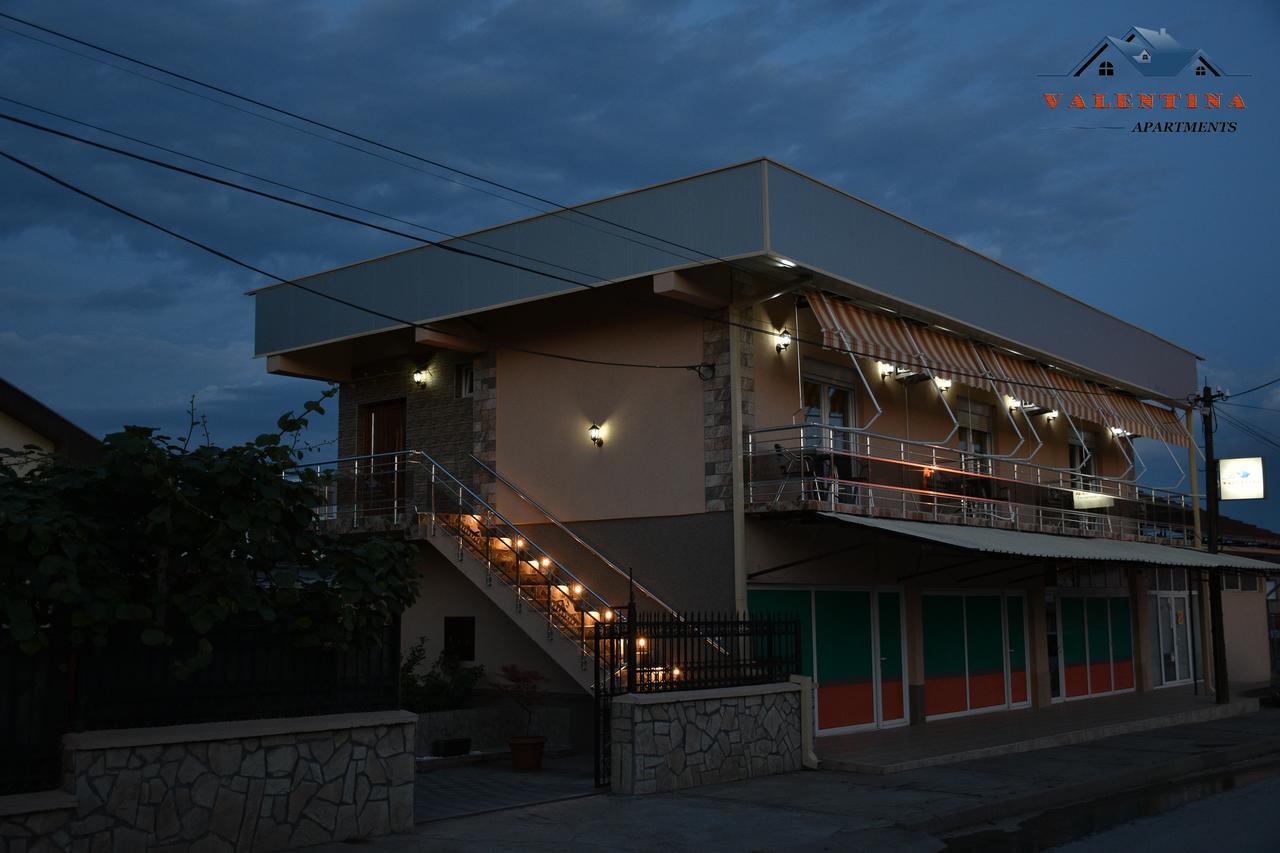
748 390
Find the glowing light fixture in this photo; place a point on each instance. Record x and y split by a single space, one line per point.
420 376
594 434
782 340
641 643
943 384
786 263
675 672
1120 431
577 589
546 561
608 616
1052 414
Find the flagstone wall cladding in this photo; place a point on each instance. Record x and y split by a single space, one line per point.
717 405
701 737
252 793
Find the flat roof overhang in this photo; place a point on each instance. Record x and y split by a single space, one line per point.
752 215
1016 543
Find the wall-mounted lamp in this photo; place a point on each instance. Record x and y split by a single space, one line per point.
594 433
943 384
420 376
785 263
782 340
1120 431
885 369
1051 415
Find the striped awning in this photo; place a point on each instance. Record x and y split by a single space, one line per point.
862 332
859 331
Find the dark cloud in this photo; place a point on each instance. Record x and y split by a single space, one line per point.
930 110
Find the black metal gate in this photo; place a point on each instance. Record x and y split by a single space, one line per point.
667 652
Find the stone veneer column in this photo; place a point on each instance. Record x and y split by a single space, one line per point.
716 404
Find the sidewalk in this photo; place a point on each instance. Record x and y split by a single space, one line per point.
839 810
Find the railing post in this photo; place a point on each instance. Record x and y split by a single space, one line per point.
460 528
631 647
488 554
433 499
751 466
551 615
516 553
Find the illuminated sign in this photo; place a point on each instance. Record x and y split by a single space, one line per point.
1240 479
1090 500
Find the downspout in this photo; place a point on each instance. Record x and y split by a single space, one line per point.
735 433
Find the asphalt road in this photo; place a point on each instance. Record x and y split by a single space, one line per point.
1240 821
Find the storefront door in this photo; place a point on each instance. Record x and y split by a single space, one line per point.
975 652
854 652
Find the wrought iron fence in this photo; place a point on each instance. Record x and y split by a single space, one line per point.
254 672
664 652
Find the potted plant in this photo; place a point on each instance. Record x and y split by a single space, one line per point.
446 686
522 684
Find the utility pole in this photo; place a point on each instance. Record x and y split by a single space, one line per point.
1220 688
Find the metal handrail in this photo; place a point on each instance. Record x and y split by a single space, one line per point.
852 433
419 457
591 549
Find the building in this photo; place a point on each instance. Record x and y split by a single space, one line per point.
750 390
26 422
1145 53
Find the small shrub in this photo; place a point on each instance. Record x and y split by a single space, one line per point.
446 686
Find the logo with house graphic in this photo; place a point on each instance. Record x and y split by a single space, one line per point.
1148 53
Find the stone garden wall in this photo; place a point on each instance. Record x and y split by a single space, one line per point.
255 785
670 741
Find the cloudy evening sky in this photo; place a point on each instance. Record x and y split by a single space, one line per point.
930 110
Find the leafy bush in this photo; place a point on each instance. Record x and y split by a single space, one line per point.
163 542
444 687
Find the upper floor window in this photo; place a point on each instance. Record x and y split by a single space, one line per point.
1106 69
1200 72
1082 459
464 381
830 404
974 433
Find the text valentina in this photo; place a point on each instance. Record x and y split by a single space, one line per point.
1147 101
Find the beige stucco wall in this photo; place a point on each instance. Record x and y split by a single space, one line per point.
499 640
651 462
14 435
1244 618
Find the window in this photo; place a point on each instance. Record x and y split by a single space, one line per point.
828 404
1106 69
1200 72
464 381
460 637
974 435
1240 581
1082 458
1231 581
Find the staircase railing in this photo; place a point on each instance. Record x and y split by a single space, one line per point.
412 487
605 561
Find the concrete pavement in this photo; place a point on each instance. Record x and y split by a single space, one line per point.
828 810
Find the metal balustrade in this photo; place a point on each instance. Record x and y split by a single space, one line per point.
814 466
411 489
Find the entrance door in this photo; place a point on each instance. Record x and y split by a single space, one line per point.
1096 643
1173 624
975 652
380 481
855 656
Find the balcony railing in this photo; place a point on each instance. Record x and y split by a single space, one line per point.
812 466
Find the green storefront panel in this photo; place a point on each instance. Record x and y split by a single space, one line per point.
844 652
1098 620
788 602
1017 650
1071 640
1122 643
890 613
984 631
944 664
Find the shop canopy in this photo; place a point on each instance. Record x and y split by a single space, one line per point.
893 339
1050 547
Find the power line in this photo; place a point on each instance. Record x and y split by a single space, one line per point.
558 209
454 249
445 234
696 368
1247 406
1250 430
1257 387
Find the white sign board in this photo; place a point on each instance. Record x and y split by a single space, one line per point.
1240 479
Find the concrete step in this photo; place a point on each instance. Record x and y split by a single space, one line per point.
1084 734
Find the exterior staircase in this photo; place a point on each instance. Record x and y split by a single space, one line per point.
553 605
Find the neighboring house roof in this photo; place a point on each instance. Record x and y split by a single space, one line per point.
68 439
749 212
1234 532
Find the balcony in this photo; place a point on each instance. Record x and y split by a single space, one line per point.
814 467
